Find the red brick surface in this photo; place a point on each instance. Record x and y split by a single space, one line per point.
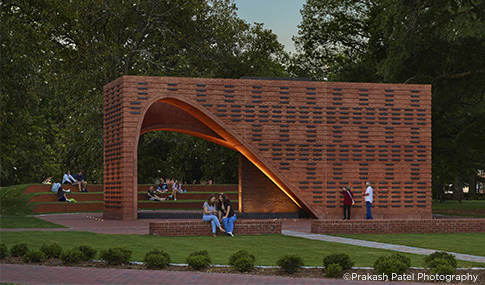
308 138
398 226
197 228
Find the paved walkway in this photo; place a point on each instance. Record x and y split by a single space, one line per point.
28 274
388 246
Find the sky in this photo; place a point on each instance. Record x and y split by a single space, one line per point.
280 16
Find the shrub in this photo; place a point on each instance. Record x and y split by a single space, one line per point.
244 264
395 263
341 259
441 266
200 252
162 252
333 270
3 251
242 260
73 255
34 256
88 252
157 259
198 259
290 263
116 255
240 254
19 249
52 250
450 258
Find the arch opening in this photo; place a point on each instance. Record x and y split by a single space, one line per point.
175 115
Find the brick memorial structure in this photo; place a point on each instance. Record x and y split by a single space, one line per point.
300 142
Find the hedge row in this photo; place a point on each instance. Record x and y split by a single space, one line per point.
440 263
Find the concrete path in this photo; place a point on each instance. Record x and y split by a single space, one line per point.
388 246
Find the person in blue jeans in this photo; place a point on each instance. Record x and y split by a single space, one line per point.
224 207
369 198
210 213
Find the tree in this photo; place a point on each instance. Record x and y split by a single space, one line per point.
57 58
425 42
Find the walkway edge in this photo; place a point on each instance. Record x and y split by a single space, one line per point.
388 246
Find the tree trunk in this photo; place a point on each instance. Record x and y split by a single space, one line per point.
458 188
472 192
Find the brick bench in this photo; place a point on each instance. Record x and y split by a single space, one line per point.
398 226
201 228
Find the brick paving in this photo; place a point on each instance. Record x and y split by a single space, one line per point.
30 274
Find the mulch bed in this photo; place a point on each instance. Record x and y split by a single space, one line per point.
302 273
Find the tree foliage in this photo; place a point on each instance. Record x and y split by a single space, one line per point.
424 42
56 58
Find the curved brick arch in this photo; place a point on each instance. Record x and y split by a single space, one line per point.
309 138
191 119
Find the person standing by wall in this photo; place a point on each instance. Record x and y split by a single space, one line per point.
348 201
369 198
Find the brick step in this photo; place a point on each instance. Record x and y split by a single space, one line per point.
64 207
47 188
78 196
175 205
188 196
141 188
215 189
98 196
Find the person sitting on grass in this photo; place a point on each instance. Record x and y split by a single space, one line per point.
152 196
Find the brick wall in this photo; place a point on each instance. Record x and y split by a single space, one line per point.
398 226
200 228
260 194
309 138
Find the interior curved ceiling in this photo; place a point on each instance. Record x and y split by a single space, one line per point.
170 114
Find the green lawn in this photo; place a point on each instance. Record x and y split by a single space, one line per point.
15 209
266 248
465 204
25 223
467 208
13 202
467 243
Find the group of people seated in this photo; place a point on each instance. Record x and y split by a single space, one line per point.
77 180
220 211
163 189
61 192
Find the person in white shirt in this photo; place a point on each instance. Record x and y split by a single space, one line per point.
369 198
68 179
